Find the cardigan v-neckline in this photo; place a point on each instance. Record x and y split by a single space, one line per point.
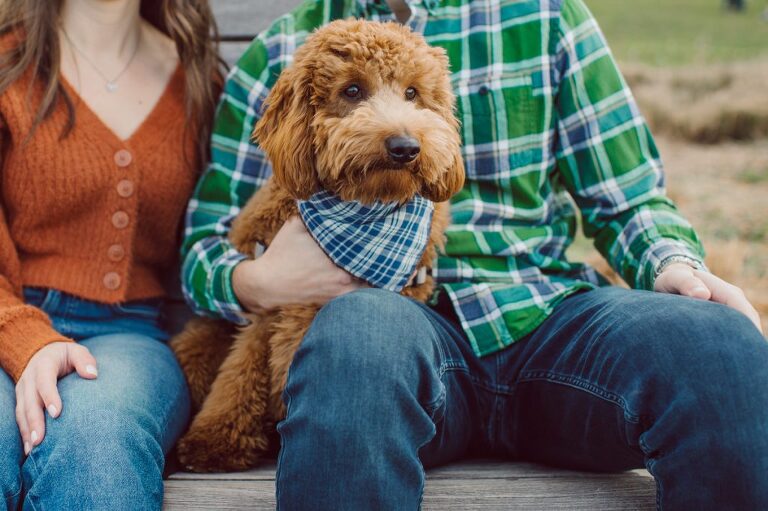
160 110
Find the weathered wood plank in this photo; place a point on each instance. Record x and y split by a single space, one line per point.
245 18
467 469
261 473
467 485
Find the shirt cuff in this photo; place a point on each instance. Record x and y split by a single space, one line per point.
655 256
24 330
224 302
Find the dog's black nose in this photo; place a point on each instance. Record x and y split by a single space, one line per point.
402 149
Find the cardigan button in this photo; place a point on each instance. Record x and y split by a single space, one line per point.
125 188
116 253
123 158
112 281
120 219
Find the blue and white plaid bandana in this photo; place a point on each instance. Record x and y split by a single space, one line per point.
380 244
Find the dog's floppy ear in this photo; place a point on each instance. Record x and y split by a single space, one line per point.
452 180
285 132
449 183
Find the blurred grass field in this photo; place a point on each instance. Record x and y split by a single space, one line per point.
677 32
700 75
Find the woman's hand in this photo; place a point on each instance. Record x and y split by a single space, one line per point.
36 389
681 279
293 270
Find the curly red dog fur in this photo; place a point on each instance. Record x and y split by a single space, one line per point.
353 85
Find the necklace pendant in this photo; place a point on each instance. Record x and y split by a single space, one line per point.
111 86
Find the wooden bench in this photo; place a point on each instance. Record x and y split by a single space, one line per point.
466 485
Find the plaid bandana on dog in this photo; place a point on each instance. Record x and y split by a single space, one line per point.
380 244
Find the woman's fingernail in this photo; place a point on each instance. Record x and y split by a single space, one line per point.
26 447
34 436
91 370
52 410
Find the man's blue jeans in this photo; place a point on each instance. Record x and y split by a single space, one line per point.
106 449
613 380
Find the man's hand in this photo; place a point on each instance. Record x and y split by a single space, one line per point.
681 279
293 270
36 389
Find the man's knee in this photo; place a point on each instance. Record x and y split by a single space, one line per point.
367 349
705 331
704 353
367 329
659 327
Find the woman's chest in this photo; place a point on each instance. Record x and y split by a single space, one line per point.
48 181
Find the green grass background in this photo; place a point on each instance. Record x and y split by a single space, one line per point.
677 32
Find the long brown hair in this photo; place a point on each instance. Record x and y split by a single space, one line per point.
189 23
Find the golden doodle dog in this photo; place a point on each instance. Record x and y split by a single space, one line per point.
365 112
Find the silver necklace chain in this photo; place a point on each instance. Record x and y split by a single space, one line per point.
109 84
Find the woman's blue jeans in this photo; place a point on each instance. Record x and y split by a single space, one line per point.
106 449
615 379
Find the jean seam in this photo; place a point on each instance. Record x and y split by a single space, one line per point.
601 393
433 406
649 466
13 495
440 399
138 310
166 415
494 389
453 365
73 305
494 422
423 484
50 300
30 494
585 385
451 368
445 361
281 453
32 504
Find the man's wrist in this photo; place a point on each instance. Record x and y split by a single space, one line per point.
246 284
677 259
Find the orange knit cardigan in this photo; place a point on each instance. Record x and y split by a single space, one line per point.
88 214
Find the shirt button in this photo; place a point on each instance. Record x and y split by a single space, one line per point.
125 188
116 253
120 219
112 280
483 90
123 158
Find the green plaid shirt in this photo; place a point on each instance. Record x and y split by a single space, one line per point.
548 126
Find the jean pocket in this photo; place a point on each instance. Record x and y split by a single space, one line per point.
40 297
145 309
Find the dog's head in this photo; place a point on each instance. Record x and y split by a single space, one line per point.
366 112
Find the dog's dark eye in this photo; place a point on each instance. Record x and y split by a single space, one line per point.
353 92
410 93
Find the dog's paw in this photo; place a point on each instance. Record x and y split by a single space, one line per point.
220 448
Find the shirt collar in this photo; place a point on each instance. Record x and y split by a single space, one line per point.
382 4
380 9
